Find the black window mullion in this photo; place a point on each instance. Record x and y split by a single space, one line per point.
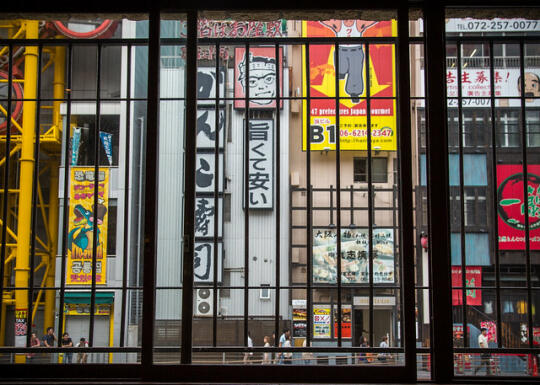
525 192
217 180
189 199
33 219
67 181
150 195
438 193
370 199
460 134
123 324
7 153
338 197
246 200
278 192
405 196
309 202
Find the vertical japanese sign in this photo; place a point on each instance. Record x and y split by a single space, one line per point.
473 278
354 256
352 86
299 317
203 265
321 321
208 130
21 327
207 85
511 206
261 164
81 226
262 77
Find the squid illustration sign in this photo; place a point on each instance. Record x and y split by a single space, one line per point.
511 206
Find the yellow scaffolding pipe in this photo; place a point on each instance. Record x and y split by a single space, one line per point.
11 153
9 231
43 215
40 293
13 121
22 264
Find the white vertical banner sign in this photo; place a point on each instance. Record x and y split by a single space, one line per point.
261 164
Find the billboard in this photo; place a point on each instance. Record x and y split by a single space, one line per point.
81 226
354 65
354 256
511 206
321 321
262 77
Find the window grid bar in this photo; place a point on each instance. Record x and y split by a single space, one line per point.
278 192
97 127
150 196
338 197
65 214
246 199
216 255
495 222
123 318
33 219
370 198
6 175
462 200
407 251
309 200
525 192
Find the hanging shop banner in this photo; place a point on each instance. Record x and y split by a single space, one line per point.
207 85
75 144
262 77
205 173
352 84
208 131
205 215
346 321
106 140
473 278
261 164
321 321
511 206
354 256
81 226
203 261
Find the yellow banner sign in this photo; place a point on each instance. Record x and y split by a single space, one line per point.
363 105
84 309
81 226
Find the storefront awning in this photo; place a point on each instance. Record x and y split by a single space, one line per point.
85 297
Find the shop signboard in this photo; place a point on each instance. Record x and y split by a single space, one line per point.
263 71
354 256
473 279
82 220
84 309
511 206
321 321
346 321
355 63
491 327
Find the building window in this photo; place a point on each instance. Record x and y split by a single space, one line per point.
379 172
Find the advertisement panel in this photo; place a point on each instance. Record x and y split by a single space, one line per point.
511 206
346 321
473 278
81 226
354 256
321 321
354 64
262 77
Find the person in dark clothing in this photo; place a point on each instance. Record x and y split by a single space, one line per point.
67 343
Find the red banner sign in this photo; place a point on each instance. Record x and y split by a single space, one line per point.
473 279
511 206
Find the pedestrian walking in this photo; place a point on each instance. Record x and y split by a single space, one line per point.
267 356
287 356
282 339
67 343
34 343
485 358
248 355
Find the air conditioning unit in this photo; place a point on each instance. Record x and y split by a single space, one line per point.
204 302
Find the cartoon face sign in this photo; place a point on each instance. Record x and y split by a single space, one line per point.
262 78
532 85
